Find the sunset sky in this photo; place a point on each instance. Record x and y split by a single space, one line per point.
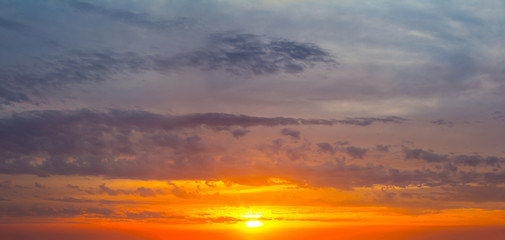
267 119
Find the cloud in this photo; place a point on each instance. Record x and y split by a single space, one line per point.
22 84
131 18
141 191
232 52
6 184
28 130
242 53
382 148
443 123
458 160
144 145
341 175
367 121
498 115
476 160
72 186
44 210
421 154
39 210
85 200
238 133
295 135
12 25
325 148
466 193
356 152
126 144
131 144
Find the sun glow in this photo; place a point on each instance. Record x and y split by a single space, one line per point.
253 224
251 216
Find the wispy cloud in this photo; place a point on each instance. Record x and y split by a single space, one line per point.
241 53
236 53
131 18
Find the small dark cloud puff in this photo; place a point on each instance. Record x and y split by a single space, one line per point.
421 154
442 122
295 135
238 133
356 152
325 147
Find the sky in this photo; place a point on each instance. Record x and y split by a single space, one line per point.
167 119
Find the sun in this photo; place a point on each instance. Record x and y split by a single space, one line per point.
253 224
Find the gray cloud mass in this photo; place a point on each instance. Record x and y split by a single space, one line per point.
241 53
232 52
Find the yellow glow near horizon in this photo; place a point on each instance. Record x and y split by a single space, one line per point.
253 224
251 216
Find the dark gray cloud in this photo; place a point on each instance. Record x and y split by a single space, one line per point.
476 160
325 148
421 154
361 121
295 135
92 143
237 53
238 133
346 176
46 125
131 18
356 152
20 84
443 122
453 161
86 142
242 53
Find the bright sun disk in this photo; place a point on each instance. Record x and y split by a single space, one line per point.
254 224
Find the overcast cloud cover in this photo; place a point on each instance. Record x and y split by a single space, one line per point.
327 94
